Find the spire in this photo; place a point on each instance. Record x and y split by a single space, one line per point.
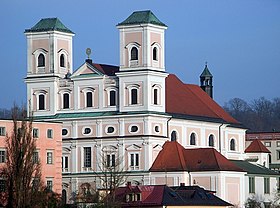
206 81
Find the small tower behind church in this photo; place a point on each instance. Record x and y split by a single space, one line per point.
206 81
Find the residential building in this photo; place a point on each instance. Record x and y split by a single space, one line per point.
124 114
48 150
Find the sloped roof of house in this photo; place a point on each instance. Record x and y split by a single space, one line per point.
142 17
188 99
174 157
49 24
254 168
256 146
162 195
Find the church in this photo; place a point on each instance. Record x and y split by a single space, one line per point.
135 116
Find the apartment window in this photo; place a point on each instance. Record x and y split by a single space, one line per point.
35 133
111 160
2 131
49 158
49 185
2 185
66 101
89 99
134 96
50 133
65 164
35 157
112 98
41 102
251 184
62 60
267 144
41 60
192 139
87 157
266 185
2 156
134 160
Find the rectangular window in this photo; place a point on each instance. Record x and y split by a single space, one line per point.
2 185
35 133
50 133
35 157
267 144
134 160
251 184
266 185
2 131
65 164
49 158
49 185
2 156
278 154
111 160
87 157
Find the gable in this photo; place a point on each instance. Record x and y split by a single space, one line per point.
86 70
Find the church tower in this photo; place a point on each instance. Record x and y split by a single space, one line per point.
206 81
142 66
49 59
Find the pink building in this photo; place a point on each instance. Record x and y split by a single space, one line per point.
49 151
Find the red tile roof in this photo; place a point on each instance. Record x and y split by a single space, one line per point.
191 100
199 159
256 146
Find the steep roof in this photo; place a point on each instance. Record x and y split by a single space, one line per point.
254 168
256 146
49 24
142 17
206 72
195 160
160 195
188 99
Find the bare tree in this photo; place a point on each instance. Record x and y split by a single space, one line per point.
21 173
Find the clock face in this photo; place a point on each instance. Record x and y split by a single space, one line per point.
88 51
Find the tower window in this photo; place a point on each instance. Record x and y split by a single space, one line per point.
211 141
134 96
41 60
155 96
112 98
89 99
155 54
192 139
41 102
62 60
232 144
174 136
65 101
134 53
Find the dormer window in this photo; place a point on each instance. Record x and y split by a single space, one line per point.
41 60
134 54
62 60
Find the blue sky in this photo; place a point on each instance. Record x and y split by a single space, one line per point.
240 40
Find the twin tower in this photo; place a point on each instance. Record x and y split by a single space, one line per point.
139 81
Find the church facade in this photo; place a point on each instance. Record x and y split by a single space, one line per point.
124 114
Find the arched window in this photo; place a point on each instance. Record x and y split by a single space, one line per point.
134 96
155 54
211 141
134 53
89 99
192 139
64 196
66 101
173 136
112 101
41 102
62 60
155 96
41 60
232 144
